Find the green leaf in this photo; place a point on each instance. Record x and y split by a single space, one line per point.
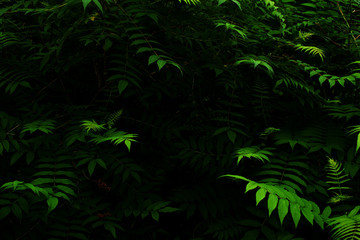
85 3
308 214
128 144
326 213
250 186
91 167
283 209
354 211
236 177
168 209
220 130
341 81
52 203
108 44
15 157
221 2
251 235
111 228
16 211
231 135
122 85
237 3
155 215
161 63
319 221
153 58
295 213
268 232
144 49
313 73
98 4
309 5
332 83
272 202
66 190
323 78
29 157
357 143
260 195
4 212
101 163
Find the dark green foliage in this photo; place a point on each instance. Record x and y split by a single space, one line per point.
131 119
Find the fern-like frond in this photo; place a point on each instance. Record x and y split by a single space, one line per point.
290 82
115 137
305 35
256 61
340 111
232 27
39 125
269 131
288 170
190 1
7 39
346 227
312 50
254 152
337 177
113 118
92 125
283 198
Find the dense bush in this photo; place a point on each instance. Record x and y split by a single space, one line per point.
147 119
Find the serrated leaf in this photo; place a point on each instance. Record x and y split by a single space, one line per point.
283 209
272 202
260 195
295 213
